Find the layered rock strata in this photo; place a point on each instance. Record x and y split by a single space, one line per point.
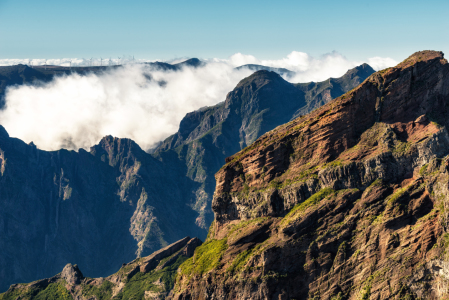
348 202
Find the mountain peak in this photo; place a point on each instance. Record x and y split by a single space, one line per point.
334 203
421 56
364 70
260 77
192 62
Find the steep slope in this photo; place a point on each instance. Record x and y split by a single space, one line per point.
320 93
81 205
258 104
96 209
150 277
348 202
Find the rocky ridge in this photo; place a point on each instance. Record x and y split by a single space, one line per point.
258 104
347 202
109 205
150 277
97 209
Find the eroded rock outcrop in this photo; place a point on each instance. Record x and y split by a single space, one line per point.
150 277
348 202
115 203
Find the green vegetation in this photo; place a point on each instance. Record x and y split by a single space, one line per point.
366 290
401 147
435 124
155 281
240 261
102 292
313 200
276 184
423 169
333 164
378 182
377 220
206 257
338 297
356 254
53 291
210 233
398 194
384 71
17 294
242 224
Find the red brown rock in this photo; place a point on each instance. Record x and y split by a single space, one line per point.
348 202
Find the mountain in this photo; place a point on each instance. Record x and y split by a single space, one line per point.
101 208
347 202
150 277
281 71
192 62
97 209
319 93
258 104
23 74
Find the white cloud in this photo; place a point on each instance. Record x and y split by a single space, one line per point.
308 68
72 61
380 63
77 111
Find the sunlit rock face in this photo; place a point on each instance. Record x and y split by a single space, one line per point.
347 202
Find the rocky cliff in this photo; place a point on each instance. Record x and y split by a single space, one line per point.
258 104
347 202
150 277
98 209
116 202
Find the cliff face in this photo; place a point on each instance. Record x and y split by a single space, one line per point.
258 104
150 277
97 209
101 208
348 202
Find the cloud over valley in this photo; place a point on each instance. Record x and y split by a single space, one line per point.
138 101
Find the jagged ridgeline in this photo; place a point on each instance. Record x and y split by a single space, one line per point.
258 104
347 202
114 203
150 277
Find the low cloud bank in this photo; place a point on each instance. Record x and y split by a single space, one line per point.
139 102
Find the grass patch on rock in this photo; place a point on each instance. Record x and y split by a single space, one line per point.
102 292
298 209
160 281
206 257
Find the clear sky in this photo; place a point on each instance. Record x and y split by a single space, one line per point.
206 29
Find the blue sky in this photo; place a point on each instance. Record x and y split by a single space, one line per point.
206 29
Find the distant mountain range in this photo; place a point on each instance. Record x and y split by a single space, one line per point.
281 71
345 202
105 207
24 74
